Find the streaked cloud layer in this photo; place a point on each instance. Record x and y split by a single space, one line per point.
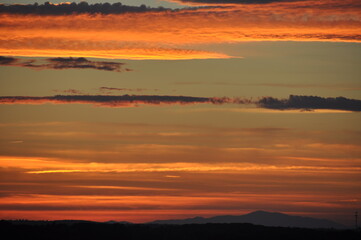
307 103
122 171
165 34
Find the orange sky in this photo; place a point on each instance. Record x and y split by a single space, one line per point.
218 151
164 171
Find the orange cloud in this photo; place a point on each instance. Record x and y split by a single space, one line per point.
168 35
138 53
44 165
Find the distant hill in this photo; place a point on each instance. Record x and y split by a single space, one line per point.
117 222
47 222
272 219
61 222
86 230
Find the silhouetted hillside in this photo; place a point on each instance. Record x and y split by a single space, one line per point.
59 230
260 218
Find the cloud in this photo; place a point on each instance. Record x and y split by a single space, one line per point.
43 166
95 47
294 102
63 63
346 87
294 3
71 91
102 90
76 8
221 2
165 34
310 103
7 60
112 89
106 100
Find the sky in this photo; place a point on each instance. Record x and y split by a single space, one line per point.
197 108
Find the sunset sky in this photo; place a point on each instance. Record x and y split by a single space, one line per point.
180 108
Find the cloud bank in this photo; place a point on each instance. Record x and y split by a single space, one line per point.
294 102
310 103
165 34
76 8
60 63
106 100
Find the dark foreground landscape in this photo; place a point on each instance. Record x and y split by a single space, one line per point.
68 230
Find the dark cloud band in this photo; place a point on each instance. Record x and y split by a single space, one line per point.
310 103
105 100
305 103
76 8
63 63
7 60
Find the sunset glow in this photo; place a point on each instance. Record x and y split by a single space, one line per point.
204 108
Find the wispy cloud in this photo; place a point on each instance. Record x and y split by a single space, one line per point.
113 89
294 102
102 90
294 3
227 2
70 91
60 63
44 165
347 87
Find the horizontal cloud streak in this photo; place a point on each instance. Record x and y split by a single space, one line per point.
292 103
63 63
220 2
72 8
42 166
346 87
111 89
310 103
103 49
106 100
294 3
70 91
156 34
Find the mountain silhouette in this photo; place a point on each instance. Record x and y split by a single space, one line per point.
117 222
272 219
